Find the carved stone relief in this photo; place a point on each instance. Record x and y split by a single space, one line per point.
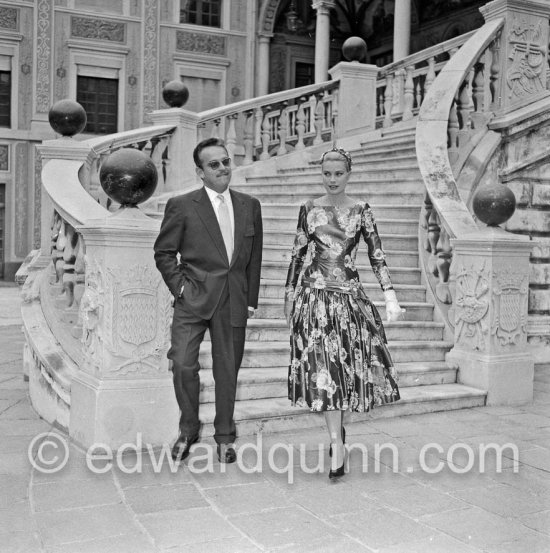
270 13
128 313
37 200
8 18
97 29
526 73
471 306
21 199
150 54
509 297
201 42
4 157
43 55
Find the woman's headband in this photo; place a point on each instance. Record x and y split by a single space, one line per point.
345 154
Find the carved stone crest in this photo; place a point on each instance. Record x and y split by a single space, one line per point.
509 295
526 68
472 305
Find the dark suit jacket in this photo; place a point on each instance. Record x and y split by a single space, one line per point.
190 229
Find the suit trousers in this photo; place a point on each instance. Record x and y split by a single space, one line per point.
227 352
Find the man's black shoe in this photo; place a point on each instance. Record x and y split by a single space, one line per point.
180 450
226 453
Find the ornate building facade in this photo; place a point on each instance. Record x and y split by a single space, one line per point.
114 56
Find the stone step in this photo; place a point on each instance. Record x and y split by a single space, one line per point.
394 258
312 184
416 311
272 382
277 415
277 223
274 196
399 275
270 354
275 288
389 241
380 210
400 162
276 330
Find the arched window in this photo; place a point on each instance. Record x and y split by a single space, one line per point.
201 12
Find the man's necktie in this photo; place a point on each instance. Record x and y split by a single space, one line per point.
225 226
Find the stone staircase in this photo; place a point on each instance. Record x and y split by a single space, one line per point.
386 175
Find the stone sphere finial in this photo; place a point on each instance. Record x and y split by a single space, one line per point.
354 49
67 117
128 176
175 94
494 204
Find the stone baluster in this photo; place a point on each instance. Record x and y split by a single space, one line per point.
266 137
283 130
334 113
494 74
477 117
215 133
430 75
379 102
231 138
418 94
79 284
463 103
258 120
433 238
452 133
408 95
66 300
425 221
57 256
201 132
248 137
156 154
300 125
319 121
388 101
398 94
443 262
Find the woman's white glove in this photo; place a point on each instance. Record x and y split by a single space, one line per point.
393 309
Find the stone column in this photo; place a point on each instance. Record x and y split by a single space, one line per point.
322 38
401 29
519 67
262 83
180 175
491 271
123 389
356 97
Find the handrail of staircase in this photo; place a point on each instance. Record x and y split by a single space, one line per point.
401 86
274 124
457 107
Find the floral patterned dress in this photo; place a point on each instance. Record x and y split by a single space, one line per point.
339 358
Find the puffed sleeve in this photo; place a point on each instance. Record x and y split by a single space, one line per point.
376 253
299 251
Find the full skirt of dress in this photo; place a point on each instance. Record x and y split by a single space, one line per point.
339 357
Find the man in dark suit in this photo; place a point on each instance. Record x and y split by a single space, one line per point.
218 234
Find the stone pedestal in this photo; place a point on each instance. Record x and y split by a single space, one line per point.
491 273
356 97
124 387
180 171
520 66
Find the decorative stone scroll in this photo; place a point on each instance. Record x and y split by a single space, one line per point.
8 18
201 42
43 55
97 29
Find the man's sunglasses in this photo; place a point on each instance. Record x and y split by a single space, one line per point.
226 162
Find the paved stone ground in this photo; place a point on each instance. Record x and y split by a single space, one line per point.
200 507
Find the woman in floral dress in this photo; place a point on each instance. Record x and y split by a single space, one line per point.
339 359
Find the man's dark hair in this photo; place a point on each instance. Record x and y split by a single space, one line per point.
206 144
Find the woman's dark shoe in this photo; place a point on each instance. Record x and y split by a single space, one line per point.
343 441
336 473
